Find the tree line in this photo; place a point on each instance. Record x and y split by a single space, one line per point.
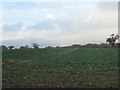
111 43
89 45
35 45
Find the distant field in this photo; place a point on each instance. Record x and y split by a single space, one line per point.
61 67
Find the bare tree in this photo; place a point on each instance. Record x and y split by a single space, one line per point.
112 39
35 45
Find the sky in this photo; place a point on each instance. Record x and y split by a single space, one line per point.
57 23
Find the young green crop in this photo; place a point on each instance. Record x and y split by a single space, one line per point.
60 67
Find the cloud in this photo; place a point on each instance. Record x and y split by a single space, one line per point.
35 12
25 31
81 26
51 17
60 1
86 21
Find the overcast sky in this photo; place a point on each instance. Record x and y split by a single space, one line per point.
57 23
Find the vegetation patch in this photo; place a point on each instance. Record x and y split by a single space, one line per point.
60 67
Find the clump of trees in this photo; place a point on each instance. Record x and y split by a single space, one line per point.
35 45
10 47
3 47
49 47
24 47
112 39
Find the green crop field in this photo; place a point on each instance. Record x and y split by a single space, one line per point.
60 67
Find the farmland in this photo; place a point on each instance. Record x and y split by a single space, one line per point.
60 67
